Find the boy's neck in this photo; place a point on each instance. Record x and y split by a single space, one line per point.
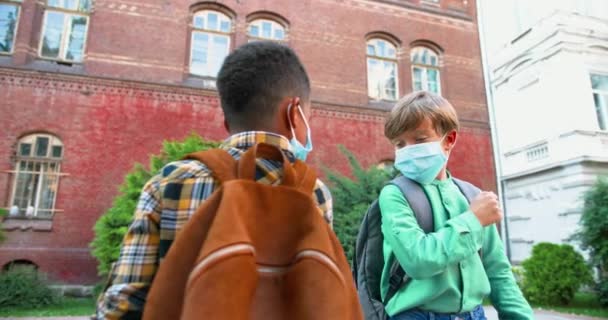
443 174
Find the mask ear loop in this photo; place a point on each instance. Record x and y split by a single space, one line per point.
293 133
291 124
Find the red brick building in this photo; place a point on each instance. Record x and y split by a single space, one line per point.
88 87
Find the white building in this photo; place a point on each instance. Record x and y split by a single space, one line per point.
550 98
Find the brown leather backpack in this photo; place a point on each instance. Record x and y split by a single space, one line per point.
255 251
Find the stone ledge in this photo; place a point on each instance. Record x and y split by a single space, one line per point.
75 291
24 225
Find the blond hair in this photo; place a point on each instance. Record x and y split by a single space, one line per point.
412 109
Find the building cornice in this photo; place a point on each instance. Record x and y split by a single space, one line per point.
558 33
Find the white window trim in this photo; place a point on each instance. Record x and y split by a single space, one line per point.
15 33
393 60
41 175
15 173
425 68
229 43
208 31
274 25
436 3
425 81
65 33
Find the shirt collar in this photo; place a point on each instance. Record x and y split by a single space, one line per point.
247 139
446 181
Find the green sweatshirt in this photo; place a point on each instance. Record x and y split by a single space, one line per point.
448 274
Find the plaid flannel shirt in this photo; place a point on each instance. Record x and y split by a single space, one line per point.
166 203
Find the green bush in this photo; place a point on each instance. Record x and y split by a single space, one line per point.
518 274
593 234
602 291
23 286
112 225
352 197
553 274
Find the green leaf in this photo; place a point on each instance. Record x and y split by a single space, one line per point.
593 232
352 195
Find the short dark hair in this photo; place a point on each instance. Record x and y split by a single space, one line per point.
255 78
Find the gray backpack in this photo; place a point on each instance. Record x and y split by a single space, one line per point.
368 261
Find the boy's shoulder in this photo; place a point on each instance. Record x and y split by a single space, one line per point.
188 169
184 169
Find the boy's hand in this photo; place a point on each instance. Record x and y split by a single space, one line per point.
486 208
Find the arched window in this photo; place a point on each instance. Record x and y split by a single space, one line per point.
425 70
64 31
210 42
36 173
381 70
264 29
9 18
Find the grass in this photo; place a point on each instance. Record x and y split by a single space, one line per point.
66 307
583 304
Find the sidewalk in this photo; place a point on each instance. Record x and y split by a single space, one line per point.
46 318
490 314
541 315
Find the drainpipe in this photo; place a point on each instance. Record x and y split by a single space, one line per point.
493 130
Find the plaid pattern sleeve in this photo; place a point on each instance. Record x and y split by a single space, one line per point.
324 201
132 273
166 204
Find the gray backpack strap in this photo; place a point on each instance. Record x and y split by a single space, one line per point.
469 190
419 202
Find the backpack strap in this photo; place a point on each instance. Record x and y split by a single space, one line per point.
221 164
224 167
419 202
469 190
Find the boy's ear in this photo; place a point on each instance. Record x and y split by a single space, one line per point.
294 112
450 139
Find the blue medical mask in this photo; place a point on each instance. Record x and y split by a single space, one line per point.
299 151
421 162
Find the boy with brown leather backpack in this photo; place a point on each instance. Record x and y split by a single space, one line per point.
244 231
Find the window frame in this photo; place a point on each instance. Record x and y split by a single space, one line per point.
274 24
601 93
394 60
18 4
46 162
194 30
425 68
65 33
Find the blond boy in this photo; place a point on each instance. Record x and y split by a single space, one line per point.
449 276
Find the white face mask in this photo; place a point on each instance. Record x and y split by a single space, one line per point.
299 151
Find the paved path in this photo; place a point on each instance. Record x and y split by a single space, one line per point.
490 313
47 318
541 315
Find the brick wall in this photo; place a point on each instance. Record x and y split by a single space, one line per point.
133 90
